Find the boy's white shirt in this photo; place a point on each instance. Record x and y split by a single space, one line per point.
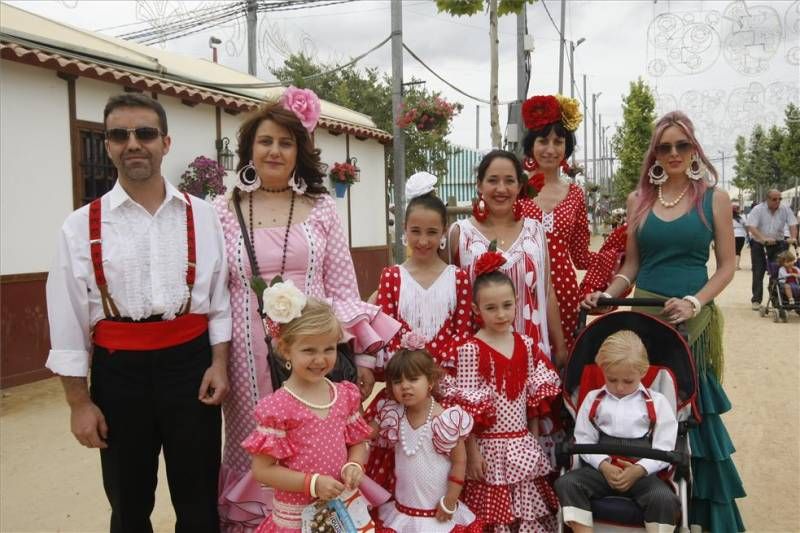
627 417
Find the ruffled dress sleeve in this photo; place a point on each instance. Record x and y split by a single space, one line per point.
449 427
389 415
579 241
543 385
356 428
471 392
369 327
273 434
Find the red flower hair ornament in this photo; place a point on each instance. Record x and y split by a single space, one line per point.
489 261
540 111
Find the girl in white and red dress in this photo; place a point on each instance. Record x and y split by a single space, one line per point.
426 295
502 377
428 443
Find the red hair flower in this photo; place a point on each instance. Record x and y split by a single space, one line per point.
489 262
540 111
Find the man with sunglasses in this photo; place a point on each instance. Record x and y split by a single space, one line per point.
140 283
765 224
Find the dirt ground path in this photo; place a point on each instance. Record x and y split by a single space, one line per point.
48 483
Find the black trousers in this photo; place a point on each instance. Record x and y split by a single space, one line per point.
759 265
149 400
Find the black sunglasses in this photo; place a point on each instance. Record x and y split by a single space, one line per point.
682 147
121 135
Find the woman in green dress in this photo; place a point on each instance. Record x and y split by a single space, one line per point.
674 215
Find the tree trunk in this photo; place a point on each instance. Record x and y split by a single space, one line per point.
493 42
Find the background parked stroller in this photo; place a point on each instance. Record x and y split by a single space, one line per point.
777 306
672 373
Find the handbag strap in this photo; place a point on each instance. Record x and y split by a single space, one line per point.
248 245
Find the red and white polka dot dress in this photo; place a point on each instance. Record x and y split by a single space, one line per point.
567 228
440 312
515 488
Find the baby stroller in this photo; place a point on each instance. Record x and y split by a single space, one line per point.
777 306
672 373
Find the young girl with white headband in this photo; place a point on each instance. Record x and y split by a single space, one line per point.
310 441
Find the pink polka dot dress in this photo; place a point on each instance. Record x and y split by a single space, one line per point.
302 441
567 227
500 392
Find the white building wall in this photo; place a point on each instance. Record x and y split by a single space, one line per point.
193 132
334 150
368 197
35 166
91 97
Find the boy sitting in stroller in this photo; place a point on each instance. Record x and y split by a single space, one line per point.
623 411
789 275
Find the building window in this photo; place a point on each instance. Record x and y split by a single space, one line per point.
97 173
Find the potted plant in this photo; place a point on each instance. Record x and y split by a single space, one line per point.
343 175
203 178
430 115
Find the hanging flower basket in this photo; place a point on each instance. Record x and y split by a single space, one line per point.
203 178
340 188
343 175
430 115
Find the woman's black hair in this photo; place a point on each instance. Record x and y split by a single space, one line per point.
561 131
428 201
495 277
494 154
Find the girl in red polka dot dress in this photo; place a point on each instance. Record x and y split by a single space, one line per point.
502 378
426 295
560 205
310 440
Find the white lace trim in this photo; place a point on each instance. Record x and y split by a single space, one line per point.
154 248
425 310
548 221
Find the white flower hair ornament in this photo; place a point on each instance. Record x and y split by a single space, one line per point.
283 302
419 184
412 340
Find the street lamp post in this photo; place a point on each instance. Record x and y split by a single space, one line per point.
595 96
572 46
723 168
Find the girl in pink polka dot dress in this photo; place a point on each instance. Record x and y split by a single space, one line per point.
310 439
502 378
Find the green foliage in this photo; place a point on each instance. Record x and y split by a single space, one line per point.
370 92
758 157
742 179
468 8
633 138
789 154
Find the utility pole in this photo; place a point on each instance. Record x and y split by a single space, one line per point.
600 170
477 127
561 48
723 168
585 131
595 96
522 76
572 47
399 141
252 26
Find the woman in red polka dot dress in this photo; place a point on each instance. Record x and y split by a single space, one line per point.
426 295
502 379
559 205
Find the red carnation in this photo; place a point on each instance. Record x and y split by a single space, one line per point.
489 262
540 111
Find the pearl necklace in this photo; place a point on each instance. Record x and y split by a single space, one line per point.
315 405
418 443
676 200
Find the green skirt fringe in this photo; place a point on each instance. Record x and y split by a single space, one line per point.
715 482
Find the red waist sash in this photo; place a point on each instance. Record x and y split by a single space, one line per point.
503 434
410 511
144 336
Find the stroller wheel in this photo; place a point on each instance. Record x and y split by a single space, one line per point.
762 311
784 316
776 316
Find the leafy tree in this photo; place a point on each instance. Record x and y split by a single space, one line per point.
495 8
370 92
633 138
758 159
742 180
789 154
774 140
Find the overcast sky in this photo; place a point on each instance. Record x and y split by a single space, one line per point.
728 64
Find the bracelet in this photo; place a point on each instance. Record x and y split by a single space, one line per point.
455 480
606 295
625 278
444 507
312 486
696 305
307 485
351 463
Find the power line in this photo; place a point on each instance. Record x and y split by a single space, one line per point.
429 69
558 31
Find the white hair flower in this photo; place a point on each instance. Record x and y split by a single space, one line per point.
283 302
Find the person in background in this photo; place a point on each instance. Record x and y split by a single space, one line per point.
739 232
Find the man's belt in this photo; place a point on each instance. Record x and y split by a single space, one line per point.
146 336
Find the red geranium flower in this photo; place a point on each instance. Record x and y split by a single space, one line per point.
489 262
540 111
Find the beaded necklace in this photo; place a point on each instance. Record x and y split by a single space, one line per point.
418 442
674 202
311 404
285 236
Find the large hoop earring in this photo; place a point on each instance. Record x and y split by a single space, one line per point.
443 243
479 210
658 176
298 184
529 164
249 180
404 239
696 170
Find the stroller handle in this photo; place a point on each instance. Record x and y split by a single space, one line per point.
616 302
642 452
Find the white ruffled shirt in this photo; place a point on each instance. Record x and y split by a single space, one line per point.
627 417
145 262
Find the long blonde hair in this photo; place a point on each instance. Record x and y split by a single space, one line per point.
646 191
